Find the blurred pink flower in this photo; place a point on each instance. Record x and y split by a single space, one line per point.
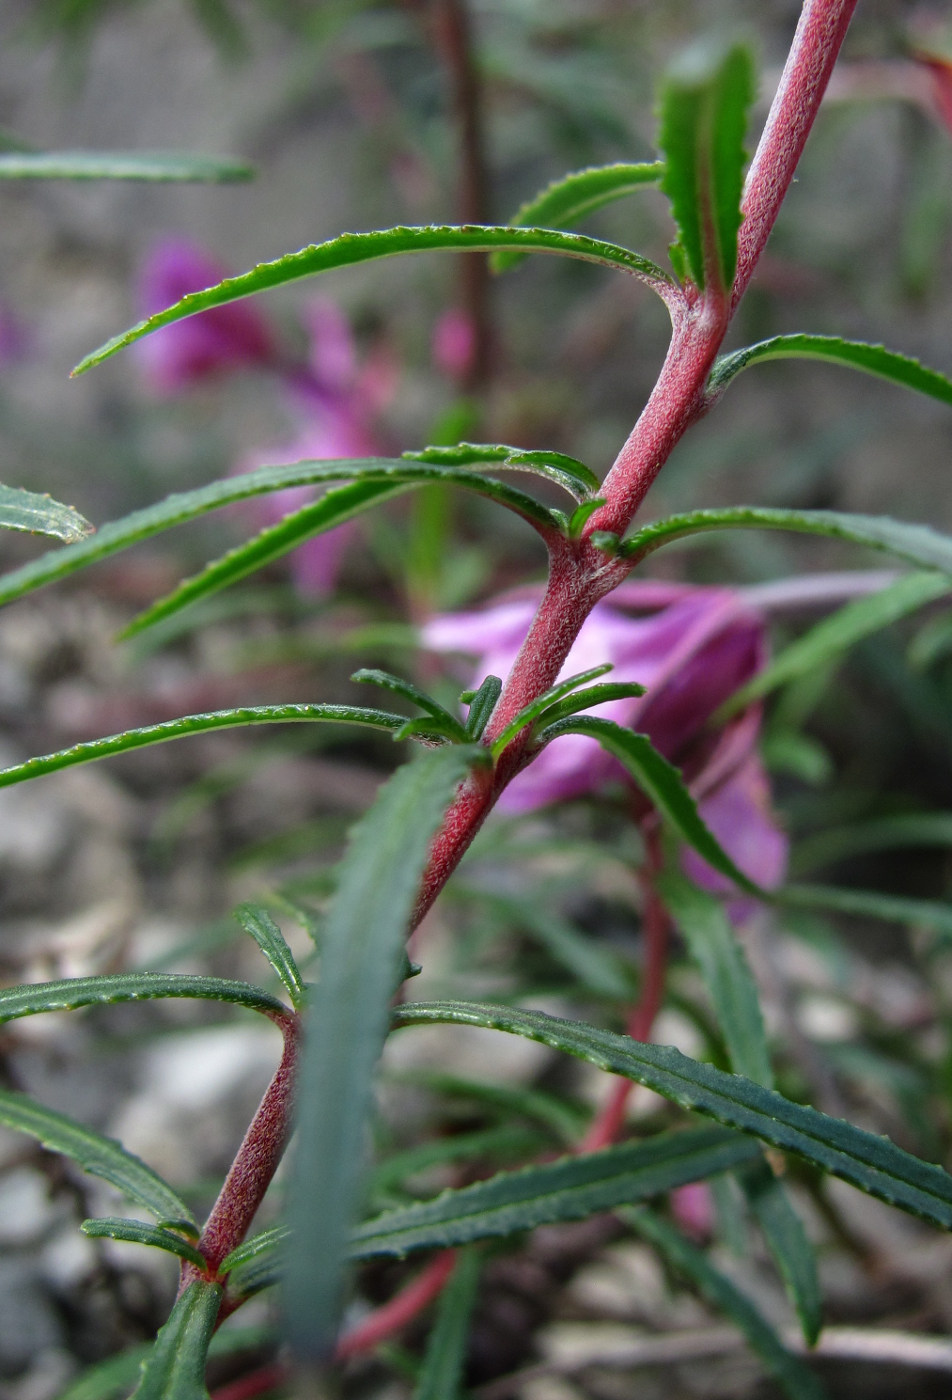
454 343
691 648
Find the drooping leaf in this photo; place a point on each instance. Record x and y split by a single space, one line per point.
704 105
351 248
661 782
900 909
362 948
854 354
99 1156
794 1377
872 1163
121 165
713 945
258 922
135 1232
568 472
917 544
37 514
175 1368
442 1373
787 1241
573 197
71 993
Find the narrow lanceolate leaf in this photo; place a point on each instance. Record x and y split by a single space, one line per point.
37 514
565 201
175 1368
351 248
399 685
362 950
73 992
568 472
135 1232
917 544
99 1156
831 637
197 724
189 505
706 929
272 942
872 1163
442 1373
120 165
531 712
787 1241
114 1378
481 704
591 696
854 354
793 1376
660 781
880 834
572 1188
924 913
703 120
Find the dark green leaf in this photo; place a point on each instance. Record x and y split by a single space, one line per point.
787 1242
351 248
585 699
135 1232
794 1377
74 992
568 472
548 697
38 514
121 165
362 948
175 1368
855 354
565 201
870 904
481 704
882 833
272 942
99 1156
114 1378
872 1163
704 105
399 686
442 1373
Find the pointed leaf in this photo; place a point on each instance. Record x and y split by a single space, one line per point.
881 833
38 514
121 165
99 1156
272 942
351 248
565 201
854 354
917 544
704 105
793 1376
135 1232
541 703
74 992
481 703
175 1368
442 1372
568 472
114 1378
585 699
870 904
787 1241
399 686
362 949
872 1163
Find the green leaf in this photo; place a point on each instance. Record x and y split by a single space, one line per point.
481 704
121 165
73 992
175 1368
854 354
399 686
792 1375
272 942
882 833
872 1163
917 544
362 949
38 514
704 104
585 699
135 1232
573 197
351 248
787 1242
442 1374
713 945
536 707
568 472
661 782
115 1377
196 724
831 637
572 1188
870 904
99 1156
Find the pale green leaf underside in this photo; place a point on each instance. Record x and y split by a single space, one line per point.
175 1368
99 1156
872 1163
121 165
575 196
788 1243
197 724
38 514
854 354
74 992
351 248
917 544
135 1232
257 922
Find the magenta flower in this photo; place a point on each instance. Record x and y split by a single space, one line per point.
691 648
